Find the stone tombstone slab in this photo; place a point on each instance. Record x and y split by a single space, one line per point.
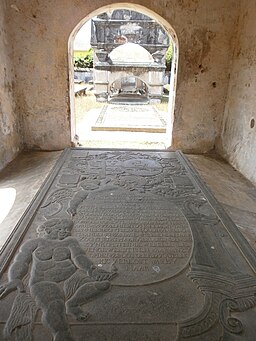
126 245
139 118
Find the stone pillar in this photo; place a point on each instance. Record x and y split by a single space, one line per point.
100 76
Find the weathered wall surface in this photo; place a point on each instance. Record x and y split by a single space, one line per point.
206 34
41 29
238 138
10 137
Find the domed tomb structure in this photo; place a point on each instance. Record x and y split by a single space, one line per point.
128 46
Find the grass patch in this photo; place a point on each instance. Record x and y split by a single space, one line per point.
163 105
85 103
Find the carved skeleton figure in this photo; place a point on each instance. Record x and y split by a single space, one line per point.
57 260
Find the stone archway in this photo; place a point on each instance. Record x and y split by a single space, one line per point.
128 89
173 78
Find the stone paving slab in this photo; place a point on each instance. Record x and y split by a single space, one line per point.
133 118
126 245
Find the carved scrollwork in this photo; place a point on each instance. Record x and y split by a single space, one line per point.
175 167
206 319
232 324
197 207
224 295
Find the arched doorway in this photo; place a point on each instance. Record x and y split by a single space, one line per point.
129 90
137 81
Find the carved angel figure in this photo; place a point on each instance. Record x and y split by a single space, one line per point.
61 279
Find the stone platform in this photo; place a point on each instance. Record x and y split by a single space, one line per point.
129 99
134 118
126 245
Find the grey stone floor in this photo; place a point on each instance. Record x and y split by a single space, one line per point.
19 182
22 178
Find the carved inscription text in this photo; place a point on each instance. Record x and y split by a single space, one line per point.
148 240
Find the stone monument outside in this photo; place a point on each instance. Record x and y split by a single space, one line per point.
129 55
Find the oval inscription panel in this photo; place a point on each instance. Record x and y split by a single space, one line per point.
148 239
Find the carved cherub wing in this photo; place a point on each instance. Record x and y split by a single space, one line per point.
21 318
58 196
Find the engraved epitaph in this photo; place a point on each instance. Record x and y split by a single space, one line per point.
148 240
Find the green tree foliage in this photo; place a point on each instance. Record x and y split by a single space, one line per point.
83 59
168 58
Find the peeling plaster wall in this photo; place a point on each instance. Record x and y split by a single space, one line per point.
41 29
238 139
10 136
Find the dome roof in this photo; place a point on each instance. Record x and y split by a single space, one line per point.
130 53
